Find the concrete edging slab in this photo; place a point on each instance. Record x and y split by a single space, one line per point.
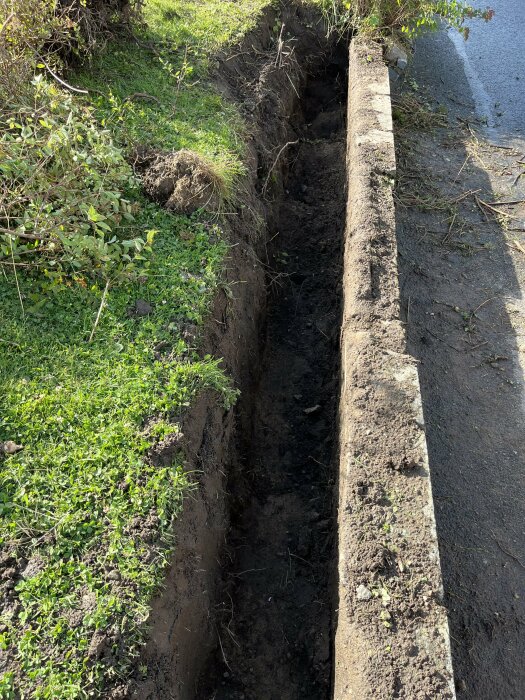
392 636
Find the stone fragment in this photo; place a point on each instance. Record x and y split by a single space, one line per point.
396 56
10 448
362 593
312 409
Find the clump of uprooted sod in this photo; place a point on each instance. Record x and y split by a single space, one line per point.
103 294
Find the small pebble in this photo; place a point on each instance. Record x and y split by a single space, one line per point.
312 409
362 593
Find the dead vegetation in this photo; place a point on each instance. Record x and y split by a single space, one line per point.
416 187
451 206
410 112
44 35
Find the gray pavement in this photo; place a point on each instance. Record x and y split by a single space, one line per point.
474 411
493 60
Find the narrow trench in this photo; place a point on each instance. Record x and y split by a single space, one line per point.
275 622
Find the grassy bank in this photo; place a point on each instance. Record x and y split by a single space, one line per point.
85 515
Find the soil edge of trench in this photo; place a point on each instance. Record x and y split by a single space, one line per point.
392 638
265 78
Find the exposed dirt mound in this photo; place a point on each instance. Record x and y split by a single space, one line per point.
181 181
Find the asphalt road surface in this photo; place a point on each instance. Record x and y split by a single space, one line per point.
493 60
474 408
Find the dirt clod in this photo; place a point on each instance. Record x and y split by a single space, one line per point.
10 448
140 308
182 181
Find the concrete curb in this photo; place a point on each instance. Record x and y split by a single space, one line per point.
392 637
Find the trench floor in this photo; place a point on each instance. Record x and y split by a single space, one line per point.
275 620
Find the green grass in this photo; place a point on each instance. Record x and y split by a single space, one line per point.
185 111
204 26
84 515
186 117
81 411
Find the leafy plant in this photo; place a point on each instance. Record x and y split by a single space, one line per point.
76 501
66 192
411 17
25 29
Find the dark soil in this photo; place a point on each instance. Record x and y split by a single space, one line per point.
276 617
267 81
181 181
462 280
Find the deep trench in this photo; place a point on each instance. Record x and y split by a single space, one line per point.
276 616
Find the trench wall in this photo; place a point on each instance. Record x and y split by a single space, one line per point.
392 633
266 81
392 638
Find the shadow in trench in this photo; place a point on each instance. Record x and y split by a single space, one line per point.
275 622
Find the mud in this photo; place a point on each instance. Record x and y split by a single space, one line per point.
275 619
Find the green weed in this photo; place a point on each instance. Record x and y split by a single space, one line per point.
82 503
66 191
143 103
410 17
80 410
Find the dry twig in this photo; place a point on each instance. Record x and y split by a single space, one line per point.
59 79
267 181
507 552
100 308
7 22
496 210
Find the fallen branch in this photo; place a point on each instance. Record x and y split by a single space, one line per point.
16 280
222 650
461 169
500 212
5 24
509 202
59 79
517 246
446 237
442 341
478 202
499 145
25 236
463 196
